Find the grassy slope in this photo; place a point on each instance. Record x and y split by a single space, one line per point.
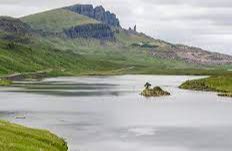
36 57
56 20
214 83
18 138
119 52
132 60
85 56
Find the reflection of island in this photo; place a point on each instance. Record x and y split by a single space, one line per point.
153 92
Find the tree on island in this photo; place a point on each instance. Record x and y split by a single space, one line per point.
147 85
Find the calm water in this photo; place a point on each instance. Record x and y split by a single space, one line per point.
107 113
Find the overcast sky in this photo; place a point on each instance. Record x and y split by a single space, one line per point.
202 23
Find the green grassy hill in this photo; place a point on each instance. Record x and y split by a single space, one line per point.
56 20
18 138
30 50
119 52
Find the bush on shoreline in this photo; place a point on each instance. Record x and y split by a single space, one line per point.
5 82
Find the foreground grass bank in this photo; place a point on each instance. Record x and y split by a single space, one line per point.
221 84
14 137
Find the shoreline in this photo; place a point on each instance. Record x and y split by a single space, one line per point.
220 84
38 75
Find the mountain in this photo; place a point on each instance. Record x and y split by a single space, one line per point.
85 21
81 39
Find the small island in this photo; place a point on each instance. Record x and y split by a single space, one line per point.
153 92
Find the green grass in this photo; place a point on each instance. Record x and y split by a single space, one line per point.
88 57
113 53
18 138
56 20
36 57
222 84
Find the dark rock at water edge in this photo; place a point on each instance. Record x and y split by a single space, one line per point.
225 94
98 13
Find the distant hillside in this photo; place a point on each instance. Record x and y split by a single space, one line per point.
66 42
69 22
192 55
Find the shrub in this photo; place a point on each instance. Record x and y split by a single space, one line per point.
5 82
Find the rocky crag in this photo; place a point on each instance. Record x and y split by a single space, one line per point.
14 30
12 25
98 13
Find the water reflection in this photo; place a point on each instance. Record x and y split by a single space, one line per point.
68 89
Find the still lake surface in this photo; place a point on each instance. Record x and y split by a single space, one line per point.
108 114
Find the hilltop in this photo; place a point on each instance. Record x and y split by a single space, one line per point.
81 39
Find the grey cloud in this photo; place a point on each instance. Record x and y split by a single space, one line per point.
220 18
200 3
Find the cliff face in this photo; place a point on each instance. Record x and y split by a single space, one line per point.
13 25
98 31
98 13
14 30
